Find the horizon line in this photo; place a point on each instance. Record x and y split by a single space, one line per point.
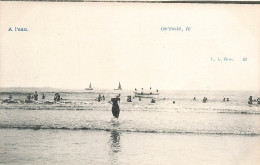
67 88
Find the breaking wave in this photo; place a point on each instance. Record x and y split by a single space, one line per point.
114 126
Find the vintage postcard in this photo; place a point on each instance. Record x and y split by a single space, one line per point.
129 83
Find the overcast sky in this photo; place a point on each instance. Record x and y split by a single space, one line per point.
69 45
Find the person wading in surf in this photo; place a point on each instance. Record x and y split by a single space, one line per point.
115 106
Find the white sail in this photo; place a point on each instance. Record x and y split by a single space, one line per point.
119 86
89 88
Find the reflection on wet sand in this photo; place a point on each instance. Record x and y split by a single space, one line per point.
114 143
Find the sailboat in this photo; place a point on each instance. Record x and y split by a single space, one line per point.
119 87
89 88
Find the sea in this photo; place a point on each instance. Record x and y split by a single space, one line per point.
81 130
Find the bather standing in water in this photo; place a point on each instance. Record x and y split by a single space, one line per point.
99 98
115 106
29 96
56 97
35 96
250 101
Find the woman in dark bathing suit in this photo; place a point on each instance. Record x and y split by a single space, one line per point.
115 106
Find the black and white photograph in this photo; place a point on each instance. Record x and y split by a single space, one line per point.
118 83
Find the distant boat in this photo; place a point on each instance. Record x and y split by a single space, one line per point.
89 88
146 94
119 87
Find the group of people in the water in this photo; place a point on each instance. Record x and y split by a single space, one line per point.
205 99
226 99
32 97
114 101
251 100
100 98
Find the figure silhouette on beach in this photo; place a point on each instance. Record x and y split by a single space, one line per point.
115 106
